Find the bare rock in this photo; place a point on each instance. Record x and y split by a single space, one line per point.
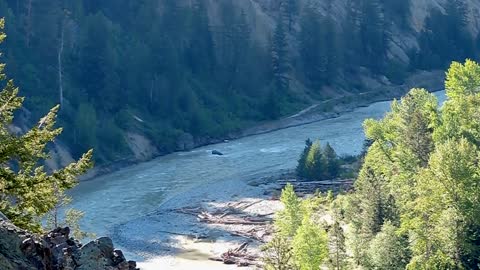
217 153
56 250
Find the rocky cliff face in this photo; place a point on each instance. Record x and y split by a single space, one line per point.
56 250
262 13
261 16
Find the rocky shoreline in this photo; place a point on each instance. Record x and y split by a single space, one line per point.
332 108
56 250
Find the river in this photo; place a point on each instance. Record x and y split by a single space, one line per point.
135 191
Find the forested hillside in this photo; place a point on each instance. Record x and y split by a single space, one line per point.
172 73
414 203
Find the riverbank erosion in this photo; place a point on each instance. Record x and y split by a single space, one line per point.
140 190
145 150
56 250
218 225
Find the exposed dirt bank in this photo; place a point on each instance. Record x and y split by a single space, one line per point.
431 80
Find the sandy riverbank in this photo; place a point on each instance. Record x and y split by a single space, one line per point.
173 237
175 240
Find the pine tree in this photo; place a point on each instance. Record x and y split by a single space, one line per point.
373 34
315 162
302 161
310 245
398 11
200 53
445 37
337 247
289 220
375 204
278 254
280 60
332 166
389 250
27 191
313 48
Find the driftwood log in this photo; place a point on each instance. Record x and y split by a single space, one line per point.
238 256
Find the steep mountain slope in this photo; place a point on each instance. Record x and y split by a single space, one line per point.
141 78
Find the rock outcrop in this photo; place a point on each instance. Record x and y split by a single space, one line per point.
56 251
217 153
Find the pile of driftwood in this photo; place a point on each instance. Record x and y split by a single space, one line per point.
238 256
232 220
252 227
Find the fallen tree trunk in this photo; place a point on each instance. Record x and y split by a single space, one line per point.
238 256
209 218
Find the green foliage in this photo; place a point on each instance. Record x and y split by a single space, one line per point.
72 220
278 254
289 220
337 247
316 163
445 38
447 191
58 217
388 250
85 125
319 42
27 190
302 161
463 80
310 245
281 68
415 199
183 70
299 243
332 162
374 203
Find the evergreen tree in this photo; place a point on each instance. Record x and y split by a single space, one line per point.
351 37
27 191
200 55
310 245
337 247
398 11
313 50
280 60
332 166
289 220
445 37
375 204
372 34
315 162
302 161
388 250
278 254
427 176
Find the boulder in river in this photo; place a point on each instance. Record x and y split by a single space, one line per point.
217 153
